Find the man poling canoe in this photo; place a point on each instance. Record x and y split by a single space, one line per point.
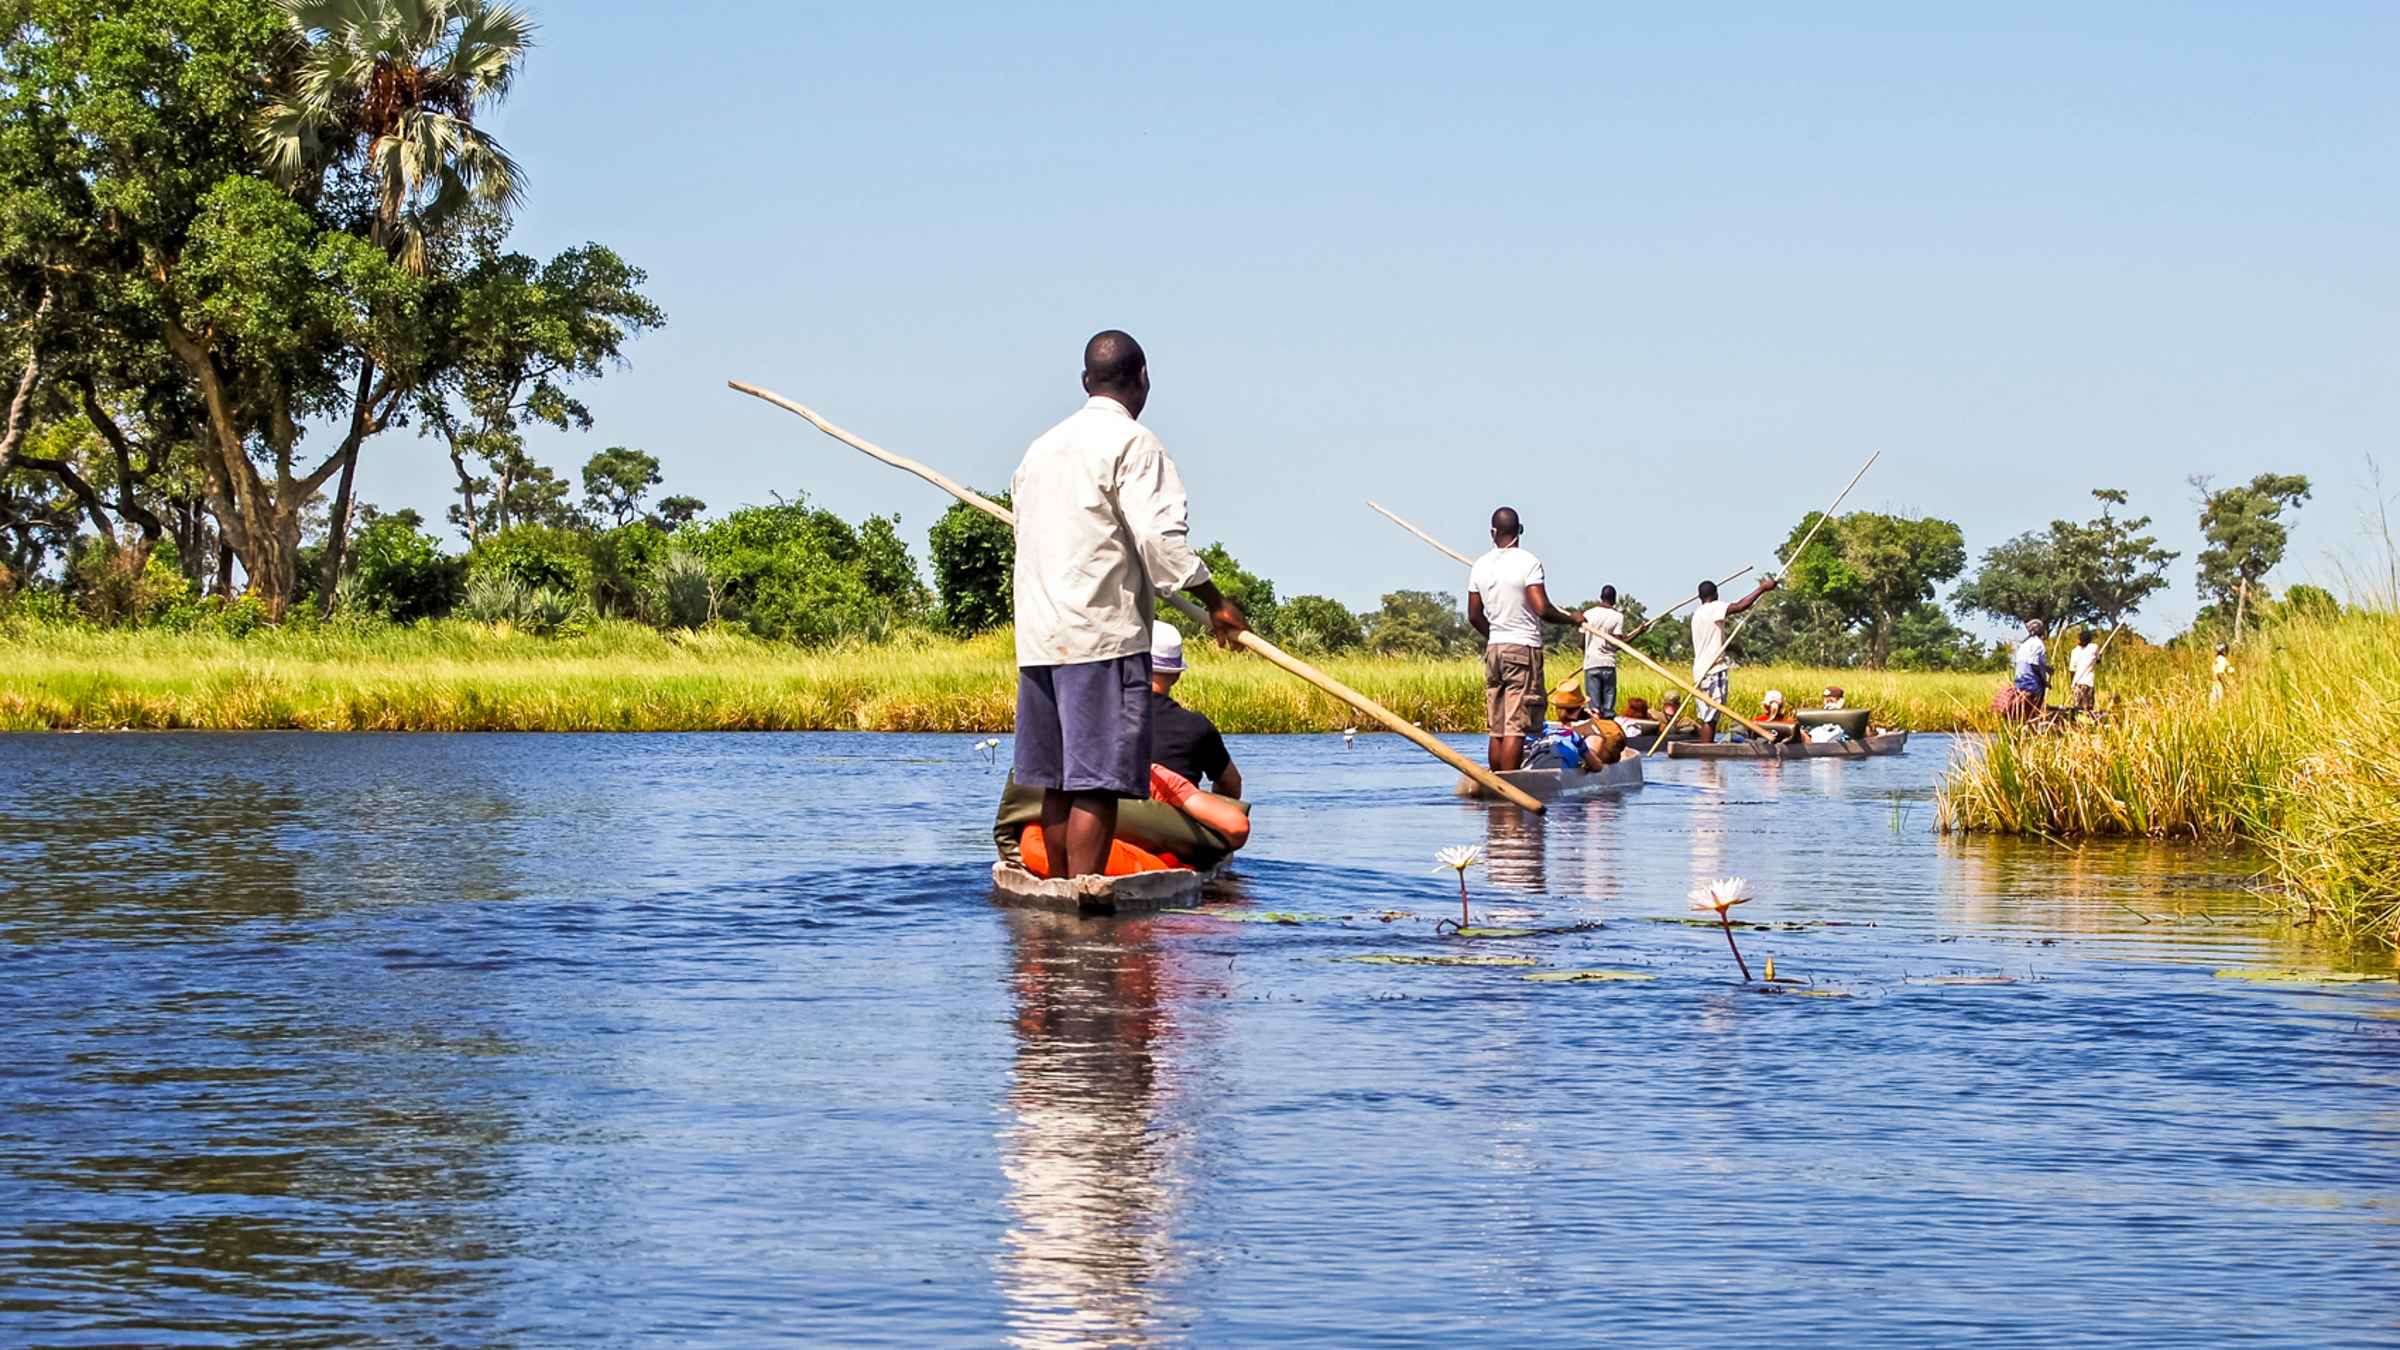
1712 657
1508 601
1101 531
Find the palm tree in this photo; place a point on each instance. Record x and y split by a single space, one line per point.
398 82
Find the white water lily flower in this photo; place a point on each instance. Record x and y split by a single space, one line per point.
1718 896
1458 859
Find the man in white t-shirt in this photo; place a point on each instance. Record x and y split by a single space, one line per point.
1712 668
1599 657
2083 664
1508 601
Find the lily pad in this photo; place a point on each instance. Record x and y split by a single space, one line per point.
1414 959
1966 979
1590 977
1798 992
1252 916
2303 976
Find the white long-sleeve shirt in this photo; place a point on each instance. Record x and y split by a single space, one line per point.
1101 533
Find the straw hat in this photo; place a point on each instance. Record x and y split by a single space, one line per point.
1569 699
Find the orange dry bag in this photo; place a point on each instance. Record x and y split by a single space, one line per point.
1123 859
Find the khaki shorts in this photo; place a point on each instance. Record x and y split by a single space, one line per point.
1514 695
2086 695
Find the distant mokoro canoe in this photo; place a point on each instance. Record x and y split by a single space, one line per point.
1096 895
1551 784
1884 743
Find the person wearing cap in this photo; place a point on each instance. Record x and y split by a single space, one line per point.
1101 532
1183 742
1833 698
1771 707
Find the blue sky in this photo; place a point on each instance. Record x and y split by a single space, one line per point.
1659 283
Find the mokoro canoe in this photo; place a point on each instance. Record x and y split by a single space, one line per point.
1886 743
1551 784
1013 885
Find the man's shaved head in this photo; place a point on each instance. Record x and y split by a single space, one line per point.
1708 589
1112 360
1113 365
1505 524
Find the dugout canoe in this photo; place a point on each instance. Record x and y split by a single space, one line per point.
1552 784
1013 885
1884 743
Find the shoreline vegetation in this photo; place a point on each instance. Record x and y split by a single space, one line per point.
2300 757
457 675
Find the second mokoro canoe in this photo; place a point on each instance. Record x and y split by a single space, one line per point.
1883 743
1014 885
1551 784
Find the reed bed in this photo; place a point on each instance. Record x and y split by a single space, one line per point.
2302 757
459 676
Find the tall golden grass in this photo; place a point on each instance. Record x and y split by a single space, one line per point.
2302 756
459 676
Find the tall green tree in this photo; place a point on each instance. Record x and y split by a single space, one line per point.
393 87
2245 532
974 568
2095 572
1873 569
1418 623
521 334
1319 625
616 480
1254 593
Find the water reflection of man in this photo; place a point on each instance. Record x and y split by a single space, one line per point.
1513 847
1090 1164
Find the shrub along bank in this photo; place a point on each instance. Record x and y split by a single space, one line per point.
2300 755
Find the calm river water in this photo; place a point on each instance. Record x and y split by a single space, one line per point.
522 1040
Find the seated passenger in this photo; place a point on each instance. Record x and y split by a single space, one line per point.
1186 748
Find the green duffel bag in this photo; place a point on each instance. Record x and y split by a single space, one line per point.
1155 826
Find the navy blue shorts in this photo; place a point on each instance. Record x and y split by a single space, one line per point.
1085 728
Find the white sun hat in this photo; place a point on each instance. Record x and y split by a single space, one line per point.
1166 648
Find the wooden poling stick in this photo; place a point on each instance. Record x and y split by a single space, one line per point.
1610 638
1251 642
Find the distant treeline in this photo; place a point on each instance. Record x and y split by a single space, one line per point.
1861 595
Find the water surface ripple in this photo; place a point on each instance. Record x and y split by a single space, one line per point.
470 1040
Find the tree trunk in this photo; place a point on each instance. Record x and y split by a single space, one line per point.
224 586
2241 603
337 534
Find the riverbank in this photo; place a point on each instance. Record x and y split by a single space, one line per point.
458 676
2301 756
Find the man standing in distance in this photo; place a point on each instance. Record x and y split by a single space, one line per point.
1508 602
1101 533
2083 664
1600 657
1712 667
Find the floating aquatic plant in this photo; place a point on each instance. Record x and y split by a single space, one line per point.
1589 977
1459 859
989 748
1719 897
1349 737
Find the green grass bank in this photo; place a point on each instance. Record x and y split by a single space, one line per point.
2301 757
458 676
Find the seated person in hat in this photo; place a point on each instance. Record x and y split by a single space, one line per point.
1185 748
1833 698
